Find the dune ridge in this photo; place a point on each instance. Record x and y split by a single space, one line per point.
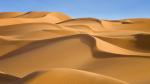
51 47
68 76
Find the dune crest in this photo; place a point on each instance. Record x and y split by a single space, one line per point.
32 17
68 76
73 50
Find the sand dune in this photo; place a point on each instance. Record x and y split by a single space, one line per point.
68 76
28 18
53 48
10 14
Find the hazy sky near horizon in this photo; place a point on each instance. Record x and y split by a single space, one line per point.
105 9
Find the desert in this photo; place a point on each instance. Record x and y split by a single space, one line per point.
55 48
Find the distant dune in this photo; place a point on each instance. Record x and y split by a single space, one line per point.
54 48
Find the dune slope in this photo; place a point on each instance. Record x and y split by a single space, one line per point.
68 76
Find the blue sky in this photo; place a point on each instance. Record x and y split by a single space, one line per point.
103 9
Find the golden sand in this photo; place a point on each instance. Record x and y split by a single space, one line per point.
53 48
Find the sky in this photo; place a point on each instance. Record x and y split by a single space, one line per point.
102 9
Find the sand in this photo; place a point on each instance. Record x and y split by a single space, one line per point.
54 48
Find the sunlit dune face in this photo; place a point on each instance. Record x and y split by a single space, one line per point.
68 76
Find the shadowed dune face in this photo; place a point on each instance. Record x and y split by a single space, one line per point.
142 41
49 42
8 79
